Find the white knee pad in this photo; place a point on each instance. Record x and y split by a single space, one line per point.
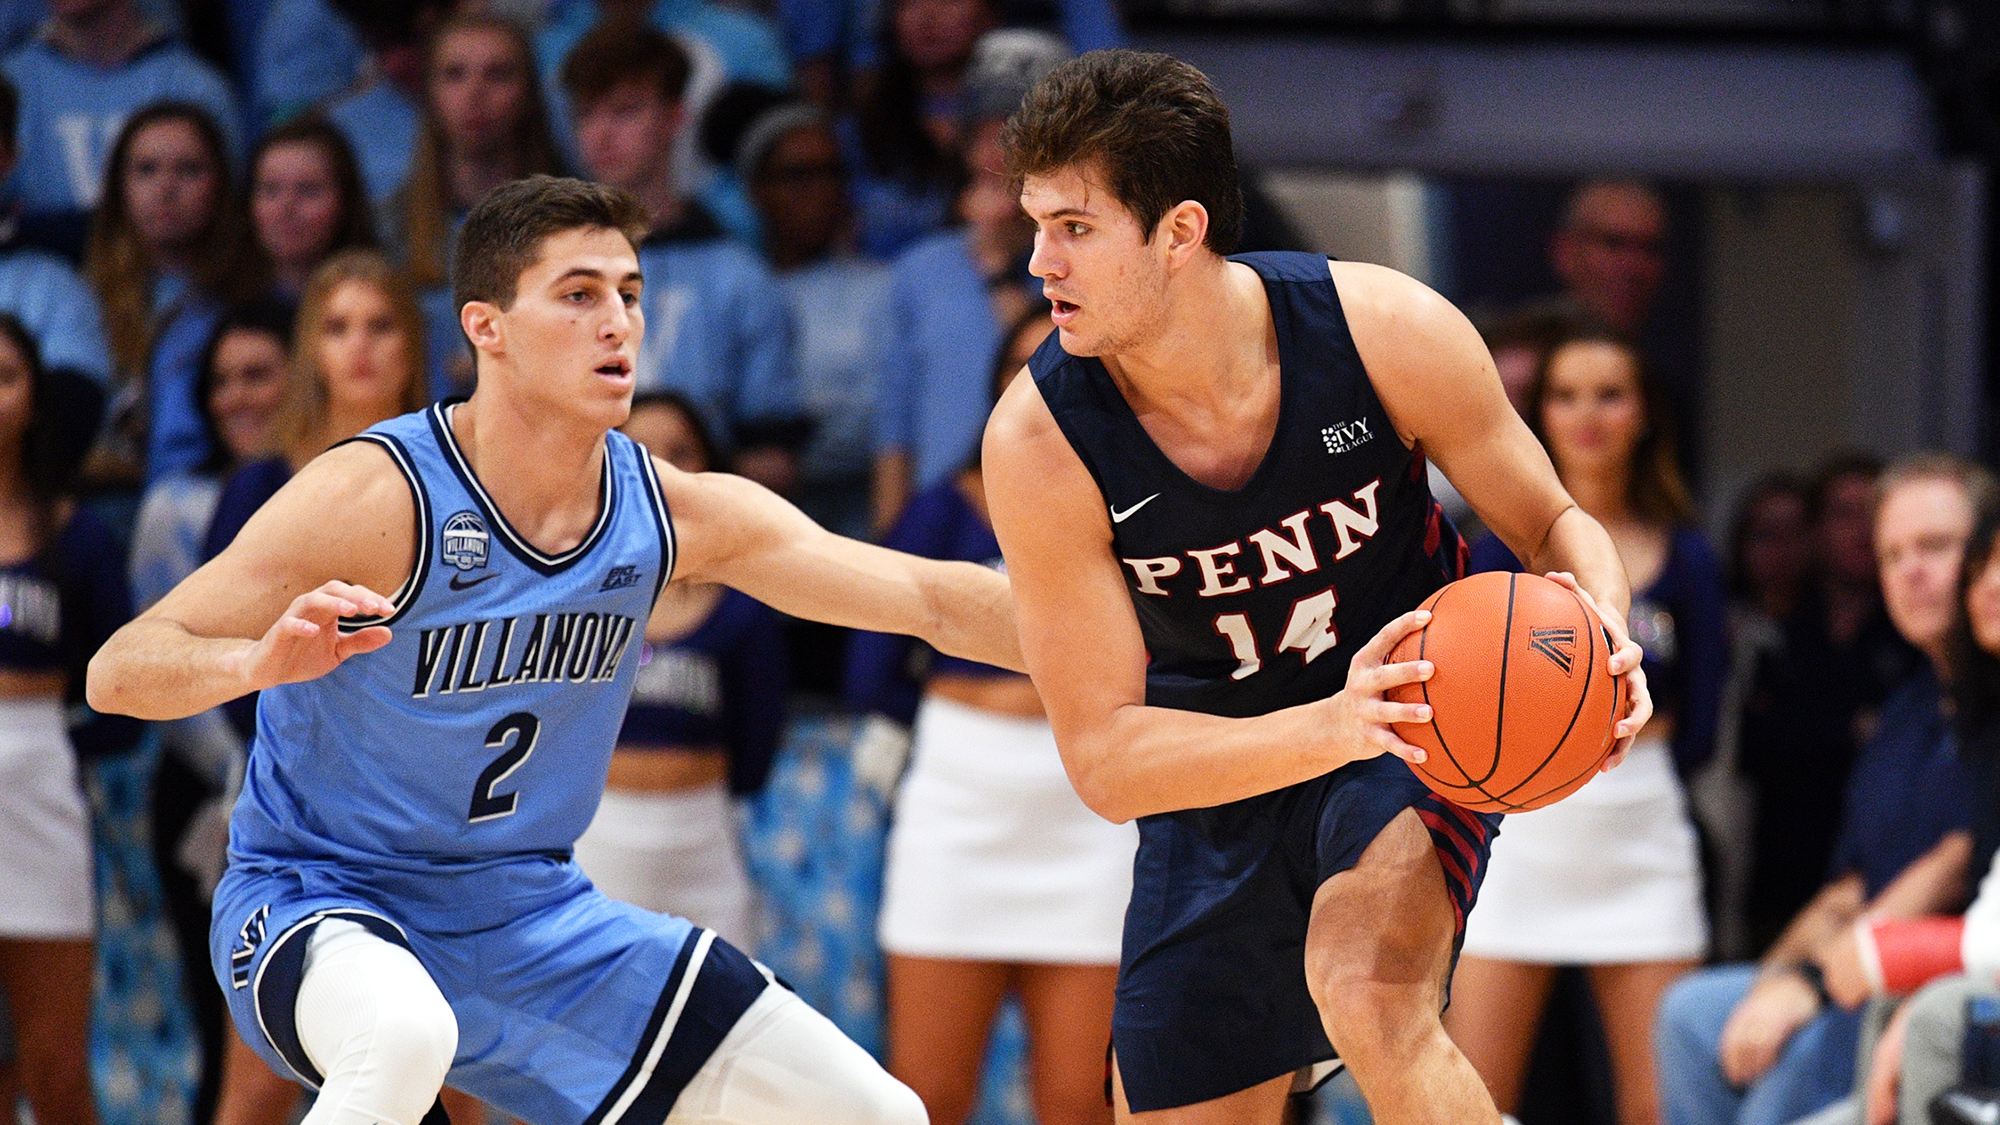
785 1064
375 1025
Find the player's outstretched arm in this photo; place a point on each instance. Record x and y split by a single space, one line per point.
740 534
266 611
1088 658
1435 377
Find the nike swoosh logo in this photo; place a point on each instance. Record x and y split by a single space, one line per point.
457 584
1120 517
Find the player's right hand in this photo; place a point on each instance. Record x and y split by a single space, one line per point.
1764 1020
306 642
1360 721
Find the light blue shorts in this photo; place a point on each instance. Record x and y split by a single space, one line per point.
566 1000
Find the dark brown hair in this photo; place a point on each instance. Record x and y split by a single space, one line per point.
1154 125
48 468
619 50
356 228
1656 490
427 202
895 144
503 235
123 269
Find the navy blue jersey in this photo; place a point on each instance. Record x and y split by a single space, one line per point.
482 731
1255 599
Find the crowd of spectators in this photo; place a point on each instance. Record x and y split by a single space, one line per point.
225 247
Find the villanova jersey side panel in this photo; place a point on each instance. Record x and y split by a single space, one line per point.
1256 598
484 728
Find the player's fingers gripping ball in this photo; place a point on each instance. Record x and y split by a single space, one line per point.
1522 700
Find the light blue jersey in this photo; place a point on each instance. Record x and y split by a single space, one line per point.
71 113
45 294
481 733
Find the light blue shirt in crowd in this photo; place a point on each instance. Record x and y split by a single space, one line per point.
380 123
61 312
724 44
833 301
176 438
305 53
938 337
717 330
71 113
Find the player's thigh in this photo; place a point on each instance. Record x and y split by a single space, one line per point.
1068 1010
1496 1009
1262 1104
939 1014
783 1063
1387 921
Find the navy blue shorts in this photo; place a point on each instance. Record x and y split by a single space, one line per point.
1212 992
572 1008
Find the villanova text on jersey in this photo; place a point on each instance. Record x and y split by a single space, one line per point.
1255 599
483 729
561 647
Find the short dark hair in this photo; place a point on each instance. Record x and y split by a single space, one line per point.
1156 126
504 233
619 50
10 111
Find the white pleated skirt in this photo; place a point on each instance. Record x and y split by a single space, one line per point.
1610 874
992 856
46 889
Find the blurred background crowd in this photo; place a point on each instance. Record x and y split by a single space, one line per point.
1730 257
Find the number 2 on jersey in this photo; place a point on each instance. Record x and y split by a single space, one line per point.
1309 631
525 729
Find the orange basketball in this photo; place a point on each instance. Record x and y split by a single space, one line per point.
1522 699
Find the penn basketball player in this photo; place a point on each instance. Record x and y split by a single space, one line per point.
1212 502
400 908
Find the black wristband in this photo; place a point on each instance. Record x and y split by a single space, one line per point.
1815 977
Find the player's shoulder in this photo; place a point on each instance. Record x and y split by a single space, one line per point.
1022 414
1396 320
363 475
1375 290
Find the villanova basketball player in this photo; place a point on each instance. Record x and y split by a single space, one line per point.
400 909
1211 497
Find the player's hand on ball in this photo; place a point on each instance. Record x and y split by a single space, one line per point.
1626 656
1360 721
307 643
1777 1006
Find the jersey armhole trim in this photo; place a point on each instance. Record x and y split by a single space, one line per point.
406 595
661 516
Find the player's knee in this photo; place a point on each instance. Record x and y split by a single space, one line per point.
897 1104
1379 995
414 1040
375 1025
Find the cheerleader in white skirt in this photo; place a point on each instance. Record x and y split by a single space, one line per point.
998 880
1609 878
62 592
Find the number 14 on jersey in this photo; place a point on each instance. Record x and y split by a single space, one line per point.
1308 631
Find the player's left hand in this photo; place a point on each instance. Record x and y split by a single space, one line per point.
1626 656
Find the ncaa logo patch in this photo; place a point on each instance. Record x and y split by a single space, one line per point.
465 541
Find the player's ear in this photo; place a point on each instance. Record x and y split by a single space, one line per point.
481 322
1185 227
